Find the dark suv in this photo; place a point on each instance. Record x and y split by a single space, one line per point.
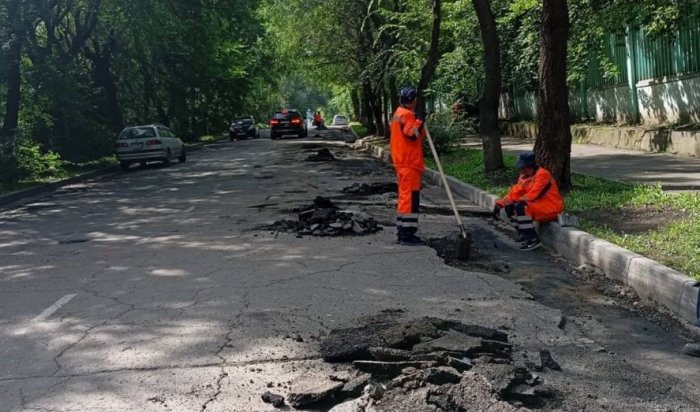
243 127
287 122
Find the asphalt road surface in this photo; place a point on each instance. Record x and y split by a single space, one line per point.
156 290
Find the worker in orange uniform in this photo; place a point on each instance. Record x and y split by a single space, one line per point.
535 198
407 134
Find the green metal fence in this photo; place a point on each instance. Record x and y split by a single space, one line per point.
659 57
628 59
616 55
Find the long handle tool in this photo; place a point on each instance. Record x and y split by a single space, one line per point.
464 243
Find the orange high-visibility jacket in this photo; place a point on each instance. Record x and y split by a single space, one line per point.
544 202
406 148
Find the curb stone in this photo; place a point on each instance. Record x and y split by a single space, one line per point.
650 279
12 197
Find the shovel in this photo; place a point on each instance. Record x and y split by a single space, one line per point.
464 242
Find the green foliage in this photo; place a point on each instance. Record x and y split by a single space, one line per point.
446 131
359 129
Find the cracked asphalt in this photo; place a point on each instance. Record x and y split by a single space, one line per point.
182 304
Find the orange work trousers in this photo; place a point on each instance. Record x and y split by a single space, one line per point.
409 199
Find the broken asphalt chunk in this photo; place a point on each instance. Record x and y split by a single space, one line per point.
273 399
312 391
548 362
388 369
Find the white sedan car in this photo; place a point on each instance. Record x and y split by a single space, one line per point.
340 120
141 144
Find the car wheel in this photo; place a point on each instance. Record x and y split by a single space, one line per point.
125 165
183 155
257 135
273 135
168 158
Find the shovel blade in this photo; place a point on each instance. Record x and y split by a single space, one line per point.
464 246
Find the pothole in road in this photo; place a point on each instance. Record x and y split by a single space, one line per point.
73 241
323 218
437 364
368 189
323 155
446 248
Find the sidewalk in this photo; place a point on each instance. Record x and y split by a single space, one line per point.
676 174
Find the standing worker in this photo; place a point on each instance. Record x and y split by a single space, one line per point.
407 134
535 198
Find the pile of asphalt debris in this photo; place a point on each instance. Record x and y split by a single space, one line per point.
365 189
421 365
323 218
323 155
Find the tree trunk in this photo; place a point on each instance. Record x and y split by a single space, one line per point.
377 112
356 110
13 73
105 80
553 145
426 75
367 107
488 105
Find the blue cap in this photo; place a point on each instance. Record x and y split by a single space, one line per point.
526 159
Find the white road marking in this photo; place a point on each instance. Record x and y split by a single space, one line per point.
53 308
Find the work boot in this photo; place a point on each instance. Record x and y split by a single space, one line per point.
530 244
692 349
411 240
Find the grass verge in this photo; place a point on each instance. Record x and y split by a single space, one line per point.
359 129
666 227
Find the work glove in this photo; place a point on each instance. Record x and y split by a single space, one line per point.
497 212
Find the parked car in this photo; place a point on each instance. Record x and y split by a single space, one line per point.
141 144
243 128
340 120
286 122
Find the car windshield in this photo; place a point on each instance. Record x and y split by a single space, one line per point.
137 133
243 120
286 115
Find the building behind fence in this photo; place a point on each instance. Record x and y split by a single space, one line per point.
656 81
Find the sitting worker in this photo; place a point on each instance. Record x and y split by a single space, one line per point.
318 121
535 198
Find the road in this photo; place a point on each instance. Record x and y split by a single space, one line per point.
157 290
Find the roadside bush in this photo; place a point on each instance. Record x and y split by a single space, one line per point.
9 172
446 131
23 160
34 164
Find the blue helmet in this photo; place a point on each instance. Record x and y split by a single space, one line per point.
408 94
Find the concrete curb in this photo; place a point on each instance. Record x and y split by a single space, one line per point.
650 279
19 195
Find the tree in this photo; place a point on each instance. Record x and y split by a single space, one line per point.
553 145
433 56
489 102
13 61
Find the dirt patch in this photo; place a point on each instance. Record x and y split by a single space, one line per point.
323 218
427 364
633 220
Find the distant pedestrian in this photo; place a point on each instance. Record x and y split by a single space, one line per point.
407 134
535 198
318 121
